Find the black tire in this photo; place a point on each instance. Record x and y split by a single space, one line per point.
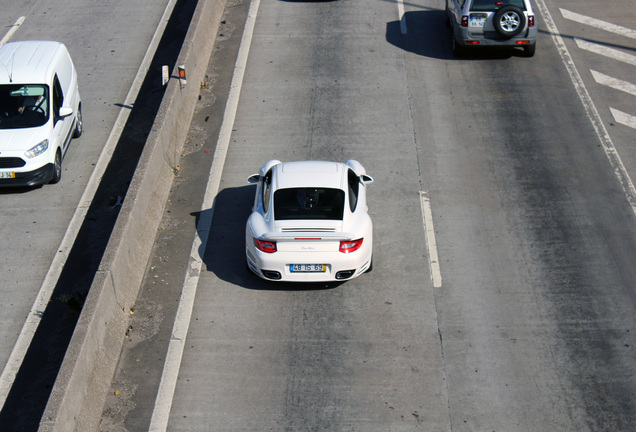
509 21
530 50
57 167
79 123
458 50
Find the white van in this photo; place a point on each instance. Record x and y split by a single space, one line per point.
40 111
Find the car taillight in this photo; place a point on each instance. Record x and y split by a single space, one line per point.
464 21
530 20
350 245
265 246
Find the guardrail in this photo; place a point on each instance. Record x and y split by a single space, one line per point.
80 390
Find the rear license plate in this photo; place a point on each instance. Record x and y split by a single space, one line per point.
307 268
478 20
7 175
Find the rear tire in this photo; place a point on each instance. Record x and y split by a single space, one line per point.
458 50
530 50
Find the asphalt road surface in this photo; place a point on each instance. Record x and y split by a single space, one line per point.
525 322
107 42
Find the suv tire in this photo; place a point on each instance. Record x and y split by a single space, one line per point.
509 21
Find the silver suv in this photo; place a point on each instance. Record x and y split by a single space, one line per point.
491 23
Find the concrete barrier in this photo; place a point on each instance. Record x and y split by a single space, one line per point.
80 390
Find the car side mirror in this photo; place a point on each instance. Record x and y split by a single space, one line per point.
65 111
254 178
366 179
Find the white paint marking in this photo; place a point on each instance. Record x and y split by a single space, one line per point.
606 51
614 83
601 132
603 25
14 28
427 219
400 5
170 374
59 261
624 118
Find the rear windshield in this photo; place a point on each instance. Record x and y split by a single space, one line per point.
491 5
308 203
23 105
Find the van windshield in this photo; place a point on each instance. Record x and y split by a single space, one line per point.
23 105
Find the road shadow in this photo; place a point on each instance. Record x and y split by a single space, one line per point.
224 254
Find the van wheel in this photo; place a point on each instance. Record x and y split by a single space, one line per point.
57 167
79 124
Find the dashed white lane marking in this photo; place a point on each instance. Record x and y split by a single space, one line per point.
623 118
14 28
431 244
606 51
59 261
170 374
601 132
614 83
604 25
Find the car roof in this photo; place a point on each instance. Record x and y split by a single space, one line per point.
309 174
27 62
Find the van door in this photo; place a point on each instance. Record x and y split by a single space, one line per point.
61 125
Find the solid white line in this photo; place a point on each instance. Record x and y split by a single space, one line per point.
624 118
601 132
606 51
400 5
14 28
603 25
614 83
431 244
170 374
59 261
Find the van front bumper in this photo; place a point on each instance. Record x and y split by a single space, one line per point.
36 177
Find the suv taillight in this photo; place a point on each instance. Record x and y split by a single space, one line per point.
464 21
265 246
350 245
530 20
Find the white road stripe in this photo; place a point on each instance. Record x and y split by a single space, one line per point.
14 28
601 132
606 51
603 25
59 261
614 83
170 374
624 118
427 219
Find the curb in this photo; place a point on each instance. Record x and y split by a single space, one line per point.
78 395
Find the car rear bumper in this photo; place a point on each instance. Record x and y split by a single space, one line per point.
338 266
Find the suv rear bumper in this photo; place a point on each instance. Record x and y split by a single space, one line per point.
464 38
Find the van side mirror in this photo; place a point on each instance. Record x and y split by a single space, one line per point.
65 112
254 178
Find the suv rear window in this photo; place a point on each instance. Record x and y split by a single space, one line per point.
491 5
308 203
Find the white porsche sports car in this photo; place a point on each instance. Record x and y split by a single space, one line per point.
309 222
